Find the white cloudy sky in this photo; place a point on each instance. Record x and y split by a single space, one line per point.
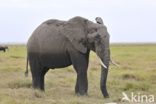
127 20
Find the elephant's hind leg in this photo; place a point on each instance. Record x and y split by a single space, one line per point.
38 74
43 72
38 78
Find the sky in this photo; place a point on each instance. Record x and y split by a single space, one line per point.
126 20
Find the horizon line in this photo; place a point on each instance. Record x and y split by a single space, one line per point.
24 43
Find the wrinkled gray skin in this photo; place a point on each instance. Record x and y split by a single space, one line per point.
58 44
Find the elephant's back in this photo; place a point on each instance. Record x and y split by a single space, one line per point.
47 37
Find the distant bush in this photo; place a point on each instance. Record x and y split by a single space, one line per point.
136 86
128 76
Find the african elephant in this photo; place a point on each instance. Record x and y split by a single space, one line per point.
58 44
3 48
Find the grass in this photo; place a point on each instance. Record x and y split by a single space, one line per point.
136 73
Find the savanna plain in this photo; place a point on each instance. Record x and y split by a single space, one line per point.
136 73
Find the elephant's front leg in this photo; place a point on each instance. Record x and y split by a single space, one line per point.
81 86
80 63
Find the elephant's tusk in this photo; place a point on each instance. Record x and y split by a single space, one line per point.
114 63
102 63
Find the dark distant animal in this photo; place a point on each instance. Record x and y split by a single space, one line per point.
58 44
3 48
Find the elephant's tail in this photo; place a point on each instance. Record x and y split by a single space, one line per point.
26 72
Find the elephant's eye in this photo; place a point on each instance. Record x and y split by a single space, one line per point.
93 30
105 36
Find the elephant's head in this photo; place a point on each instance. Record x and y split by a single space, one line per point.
86 35
98 40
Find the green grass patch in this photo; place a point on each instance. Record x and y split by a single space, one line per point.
15 84
16 56
133 86
12 68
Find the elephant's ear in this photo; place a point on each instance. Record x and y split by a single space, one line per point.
75 31
99 20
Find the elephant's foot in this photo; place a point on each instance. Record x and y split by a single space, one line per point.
78 94
38 83
105 94
81 93
38 88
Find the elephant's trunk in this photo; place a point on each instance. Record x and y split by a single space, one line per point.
105 58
